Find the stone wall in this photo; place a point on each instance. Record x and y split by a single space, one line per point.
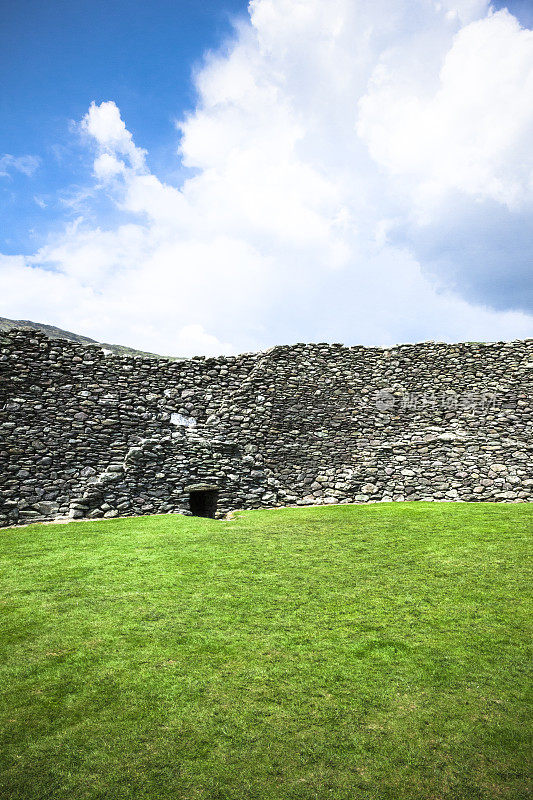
85 434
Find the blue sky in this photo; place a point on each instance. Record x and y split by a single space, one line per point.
59 56
318 186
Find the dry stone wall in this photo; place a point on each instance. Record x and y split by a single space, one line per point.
85 434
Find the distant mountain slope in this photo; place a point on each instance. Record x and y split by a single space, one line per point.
57 333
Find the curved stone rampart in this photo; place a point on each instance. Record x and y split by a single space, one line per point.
85 434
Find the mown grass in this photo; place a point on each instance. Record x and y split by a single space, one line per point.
357 653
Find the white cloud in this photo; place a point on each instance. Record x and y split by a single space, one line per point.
474 133
319 134
107 166
463 10
25 164
194 339
105 125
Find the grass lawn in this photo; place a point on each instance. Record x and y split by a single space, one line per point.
357 653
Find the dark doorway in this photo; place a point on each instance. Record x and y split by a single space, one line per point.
203 502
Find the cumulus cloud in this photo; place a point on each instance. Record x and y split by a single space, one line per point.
464 10
474 133
106 127
25 164
328 148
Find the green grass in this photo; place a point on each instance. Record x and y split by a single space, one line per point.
358 653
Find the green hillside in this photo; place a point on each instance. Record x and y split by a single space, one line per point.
58 333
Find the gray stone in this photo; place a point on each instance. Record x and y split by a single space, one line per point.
293 425
46 507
